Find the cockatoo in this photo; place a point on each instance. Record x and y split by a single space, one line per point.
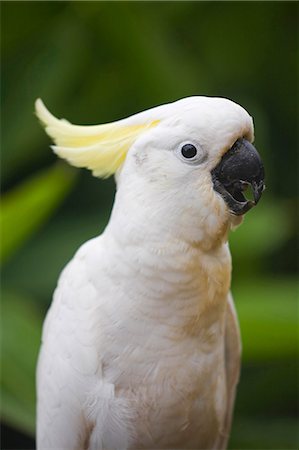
141 345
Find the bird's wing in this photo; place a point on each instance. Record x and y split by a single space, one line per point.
232 366
67 362
77 407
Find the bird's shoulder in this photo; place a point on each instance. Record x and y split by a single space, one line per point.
70 329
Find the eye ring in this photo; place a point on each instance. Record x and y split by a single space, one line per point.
191 152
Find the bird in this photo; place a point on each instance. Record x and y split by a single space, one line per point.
141 345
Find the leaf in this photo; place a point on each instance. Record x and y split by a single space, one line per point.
29 205
21 329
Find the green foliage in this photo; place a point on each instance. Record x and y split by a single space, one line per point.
264 230
94 62
20 344
267 310
29 205
248 432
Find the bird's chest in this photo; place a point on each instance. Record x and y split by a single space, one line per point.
173 383
164 354
179 402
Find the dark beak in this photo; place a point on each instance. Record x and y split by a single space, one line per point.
241 167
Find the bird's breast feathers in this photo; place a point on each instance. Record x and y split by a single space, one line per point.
150 347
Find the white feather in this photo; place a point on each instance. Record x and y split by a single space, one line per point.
140 348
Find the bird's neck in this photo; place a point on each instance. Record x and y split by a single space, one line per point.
138 222
181 286
177 257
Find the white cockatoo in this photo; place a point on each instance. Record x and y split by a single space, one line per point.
141 346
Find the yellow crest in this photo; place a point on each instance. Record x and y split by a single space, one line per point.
100 148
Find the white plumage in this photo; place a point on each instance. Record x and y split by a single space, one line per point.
141 345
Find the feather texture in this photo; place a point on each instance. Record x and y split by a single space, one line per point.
100 148
141 347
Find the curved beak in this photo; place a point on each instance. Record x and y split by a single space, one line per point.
241 167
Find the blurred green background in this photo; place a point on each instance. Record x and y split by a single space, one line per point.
95 62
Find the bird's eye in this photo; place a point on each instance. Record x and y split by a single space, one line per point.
188 151
191 153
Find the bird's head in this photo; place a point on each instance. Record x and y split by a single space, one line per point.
182 167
